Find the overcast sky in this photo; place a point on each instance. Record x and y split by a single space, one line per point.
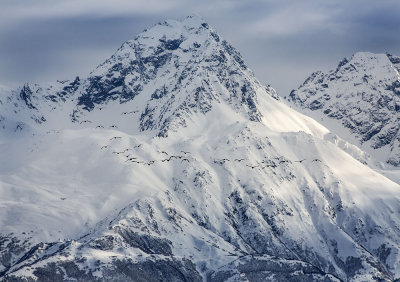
283 41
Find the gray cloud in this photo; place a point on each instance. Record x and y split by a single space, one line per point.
49 49
282 41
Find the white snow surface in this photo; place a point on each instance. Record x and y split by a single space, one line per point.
201 156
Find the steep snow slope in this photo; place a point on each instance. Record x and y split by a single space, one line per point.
360 99
171 162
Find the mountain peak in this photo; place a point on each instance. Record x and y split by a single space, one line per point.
366 61
363 95
363 55
173 28
166 36
185 38
172 71
190 21
166 75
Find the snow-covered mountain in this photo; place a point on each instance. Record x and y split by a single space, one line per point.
158 80
360 99
171 162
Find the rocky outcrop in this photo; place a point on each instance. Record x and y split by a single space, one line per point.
363 95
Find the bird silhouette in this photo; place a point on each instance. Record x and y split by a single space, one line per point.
268 162
252 166
132 112
270 165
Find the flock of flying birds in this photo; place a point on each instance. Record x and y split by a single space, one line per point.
127 153
273 163
183 157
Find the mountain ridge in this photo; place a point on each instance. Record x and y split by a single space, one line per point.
237 187
145 62
362 95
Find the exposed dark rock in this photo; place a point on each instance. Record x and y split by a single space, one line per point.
261 269
146 243
26 95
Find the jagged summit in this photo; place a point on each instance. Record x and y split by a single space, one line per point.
162 77
161 39
363 95
174 69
